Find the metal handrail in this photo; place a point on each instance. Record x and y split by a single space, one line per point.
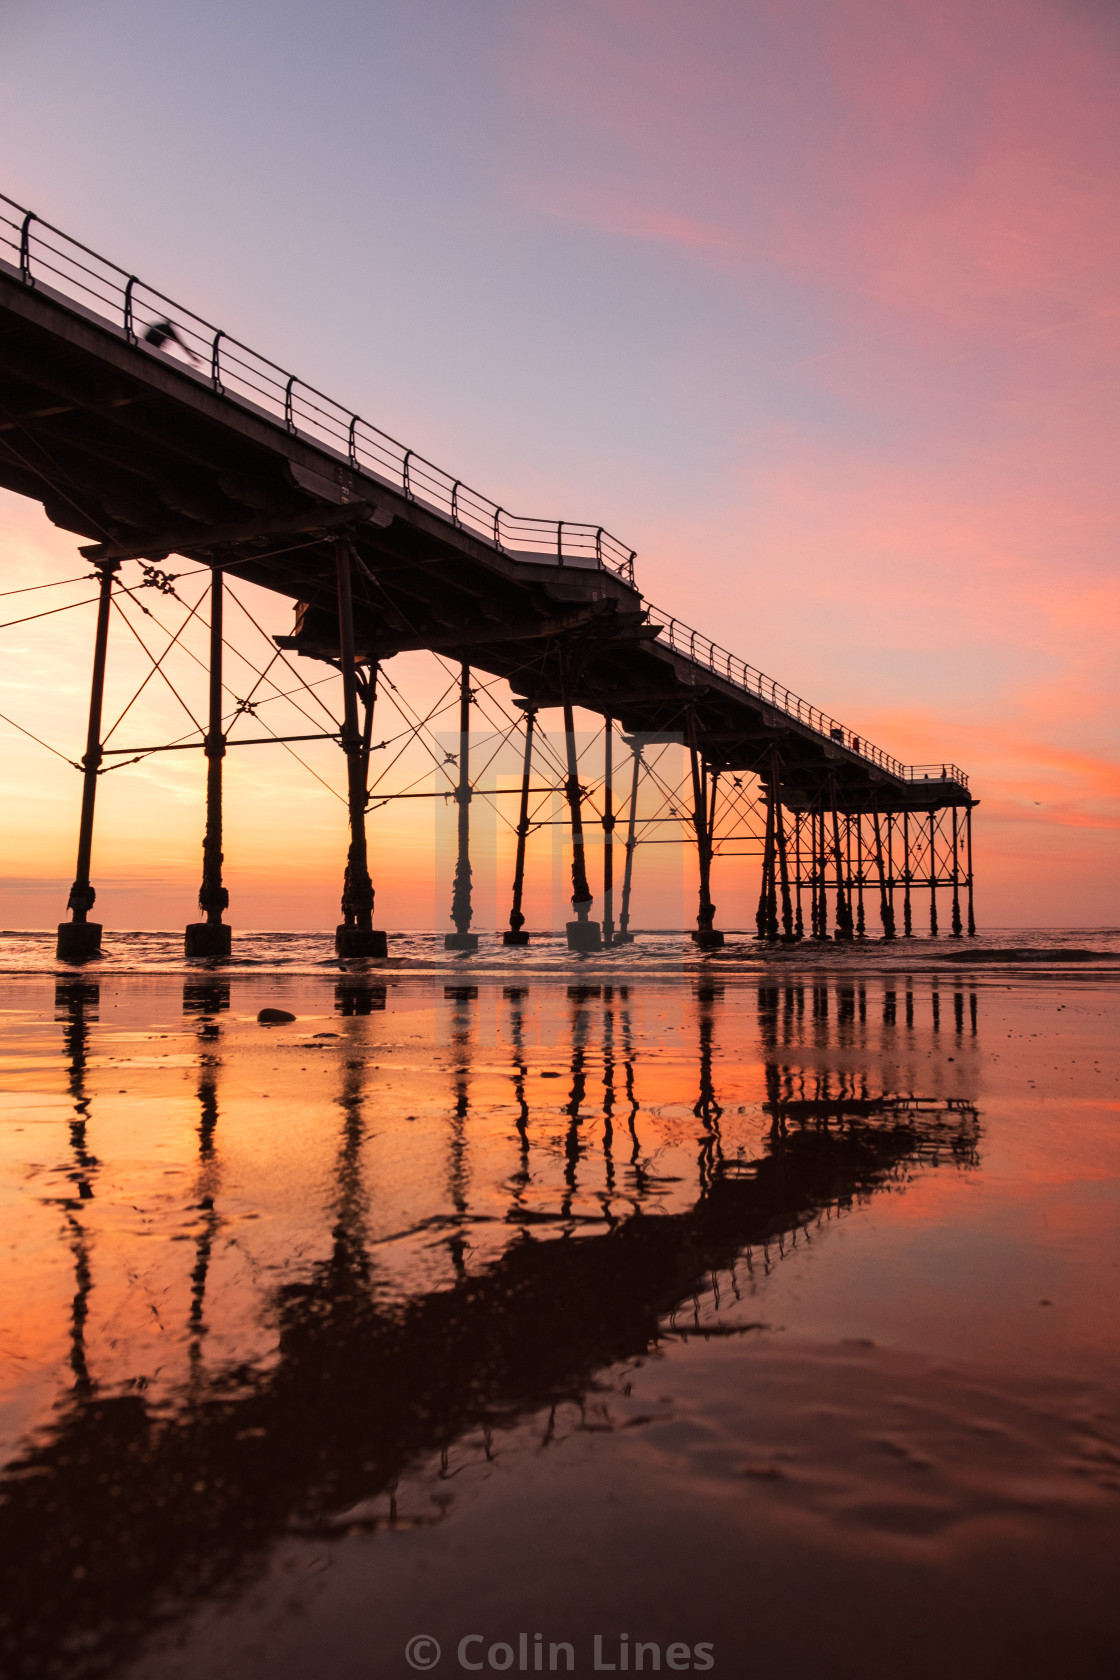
707 654
241 375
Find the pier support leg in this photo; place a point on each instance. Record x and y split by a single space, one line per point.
211 938
515 934
356 935
706 935
968 860
80 939
843 902
933 875
780 841
886 908
820 930
461 912
856 821
798 919
907 876
583 933
624 936
957 925
765 917
608 831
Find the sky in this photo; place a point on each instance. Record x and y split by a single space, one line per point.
812 302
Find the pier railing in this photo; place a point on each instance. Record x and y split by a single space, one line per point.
44 255
700 650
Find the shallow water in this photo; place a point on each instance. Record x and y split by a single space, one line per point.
652 952
767 1317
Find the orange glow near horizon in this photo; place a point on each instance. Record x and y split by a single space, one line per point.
814 301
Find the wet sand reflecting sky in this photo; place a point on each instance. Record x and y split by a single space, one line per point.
775 1318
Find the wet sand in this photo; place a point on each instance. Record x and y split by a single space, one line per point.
774 1313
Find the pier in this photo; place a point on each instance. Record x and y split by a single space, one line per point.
150 433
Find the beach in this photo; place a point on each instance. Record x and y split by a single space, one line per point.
757 1313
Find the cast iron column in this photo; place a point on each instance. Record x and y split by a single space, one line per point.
706 935
462 939
780 837
907 875
80 939
624 936
608 831
514 935
968 858
958 927
211 938
583 934
933 875
355 936
843 903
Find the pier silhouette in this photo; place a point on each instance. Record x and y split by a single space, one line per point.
149 432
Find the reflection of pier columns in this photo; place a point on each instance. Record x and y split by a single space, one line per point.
457 1176
79 1000
521 1179
515 934
211 938
461 912
80 938
707 1108
355 937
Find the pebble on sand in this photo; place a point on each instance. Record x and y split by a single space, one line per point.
268 1016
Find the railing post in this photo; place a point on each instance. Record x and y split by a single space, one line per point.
25 248
352 441
129 331
455 502
560 542
289 417
497 527
215 362
406 482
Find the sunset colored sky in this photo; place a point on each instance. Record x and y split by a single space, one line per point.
814 302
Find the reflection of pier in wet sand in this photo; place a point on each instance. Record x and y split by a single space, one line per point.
576 1239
